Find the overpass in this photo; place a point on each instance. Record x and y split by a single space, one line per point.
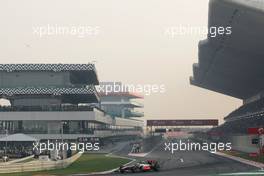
193 122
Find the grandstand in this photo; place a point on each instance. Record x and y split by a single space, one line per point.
233 64
57 101
248 110
120 103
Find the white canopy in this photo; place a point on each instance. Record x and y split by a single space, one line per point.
19 137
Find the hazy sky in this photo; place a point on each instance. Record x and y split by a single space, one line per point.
131 46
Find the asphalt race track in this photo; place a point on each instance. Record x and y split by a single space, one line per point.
189 163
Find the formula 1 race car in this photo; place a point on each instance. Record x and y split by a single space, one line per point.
142 166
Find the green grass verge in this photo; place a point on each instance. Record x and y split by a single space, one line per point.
87 163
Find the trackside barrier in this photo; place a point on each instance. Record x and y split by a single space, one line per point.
38 165
18 160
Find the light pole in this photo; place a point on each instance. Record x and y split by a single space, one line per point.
6 132
62 131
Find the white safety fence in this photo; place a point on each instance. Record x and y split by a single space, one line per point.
38 165
18 160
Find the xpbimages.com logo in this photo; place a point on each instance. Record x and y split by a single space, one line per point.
212 31
145 89
51 146
71 30
196 146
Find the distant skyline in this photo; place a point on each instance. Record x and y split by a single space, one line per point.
127 40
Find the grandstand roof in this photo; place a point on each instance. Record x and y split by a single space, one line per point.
85 73
46 91
233 64
46 67
83 94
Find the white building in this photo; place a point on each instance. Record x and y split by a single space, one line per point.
54 101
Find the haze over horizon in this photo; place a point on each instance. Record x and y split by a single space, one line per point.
131 47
